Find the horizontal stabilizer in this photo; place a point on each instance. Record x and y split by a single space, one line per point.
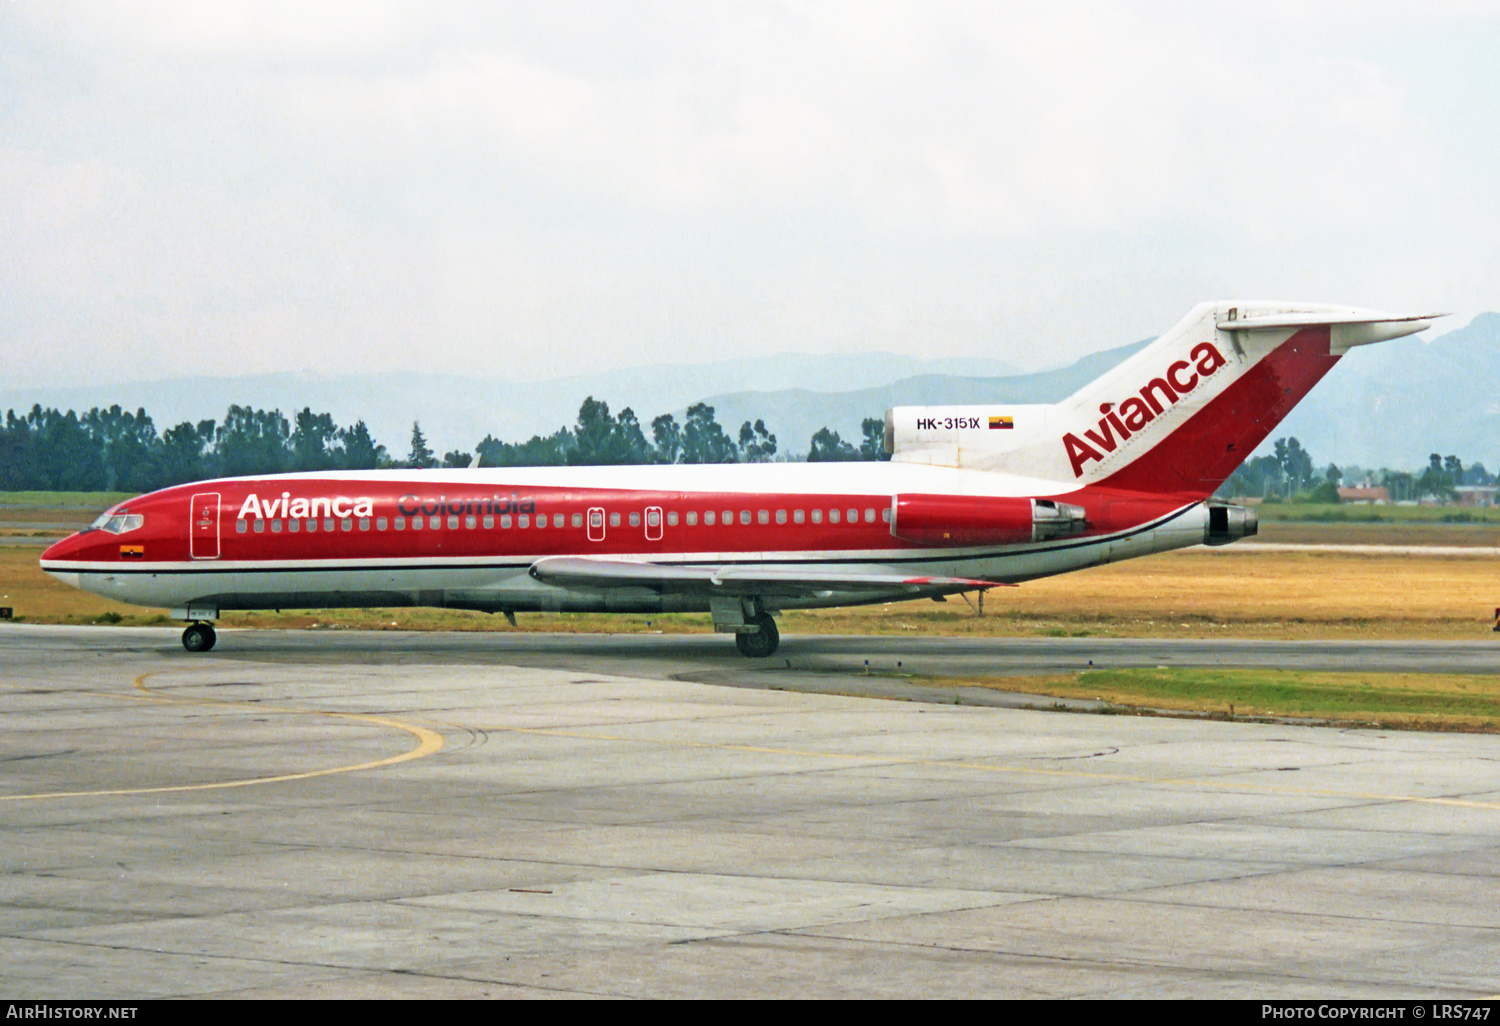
736 579
1347 327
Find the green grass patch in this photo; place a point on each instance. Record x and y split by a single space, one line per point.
1336 513
64 500
1428 701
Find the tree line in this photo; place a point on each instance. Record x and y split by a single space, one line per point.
1288 473
116 450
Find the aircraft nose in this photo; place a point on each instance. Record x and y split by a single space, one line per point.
60 559
63 550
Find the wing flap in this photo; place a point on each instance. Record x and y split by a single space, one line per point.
738 579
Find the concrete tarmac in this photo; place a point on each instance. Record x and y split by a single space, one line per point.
372 815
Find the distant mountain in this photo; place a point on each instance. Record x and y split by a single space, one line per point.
457 411
1385 405
1392 404
793 415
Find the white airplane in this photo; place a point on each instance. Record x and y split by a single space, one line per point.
973 497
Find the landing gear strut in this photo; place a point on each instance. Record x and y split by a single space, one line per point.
761 643
199 637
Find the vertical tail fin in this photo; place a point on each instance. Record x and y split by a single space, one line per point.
1176 418
1182 414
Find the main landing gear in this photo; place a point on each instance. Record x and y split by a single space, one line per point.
760 643
199 637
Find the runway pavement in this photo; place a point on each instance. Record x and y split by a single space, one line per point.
346 814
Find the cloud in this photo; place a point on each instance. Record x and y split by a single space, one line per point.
974 118
498 185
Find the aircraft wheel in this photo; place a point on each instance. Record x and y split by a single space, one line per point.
763 642
199 637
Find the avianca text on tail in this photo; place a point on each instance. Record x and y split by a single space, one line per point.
1135 412
973 497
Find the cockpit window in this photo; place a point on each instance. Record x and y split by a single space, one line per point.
118 523
103 518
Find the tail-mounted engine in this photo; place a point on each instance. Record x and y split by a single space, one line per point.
957 520
1228 523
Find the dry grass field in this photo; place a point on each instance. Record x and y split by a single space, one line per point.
1192 594
1232 592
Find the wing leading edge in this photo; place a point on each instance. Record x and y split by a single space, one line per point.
734 579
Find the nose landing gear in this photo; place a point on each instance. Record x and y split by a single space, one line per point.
199 637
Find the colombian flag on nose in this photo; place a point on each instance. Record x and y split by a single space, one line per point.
1001 423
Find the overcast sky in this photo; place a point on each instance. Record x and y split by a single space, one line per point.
530 190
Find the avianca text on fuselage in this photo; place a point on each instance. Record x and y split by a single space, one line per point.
296 507
256 508
1117 425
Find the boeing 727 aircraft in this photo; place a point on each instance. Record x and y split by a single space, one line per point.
973 497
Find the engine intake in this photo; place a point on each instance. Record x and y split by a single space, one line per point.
1228 523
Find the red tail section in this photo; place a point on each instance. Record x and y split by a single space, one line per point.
1201 454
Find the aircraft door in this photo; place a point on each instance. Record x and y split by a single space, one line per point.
596 524
653 523
203 526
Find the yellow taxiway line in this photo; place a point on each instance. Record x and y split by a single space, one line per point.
428 742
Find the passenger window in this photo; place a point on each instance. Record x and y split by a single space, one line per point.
380 523
557 520
635 520
577 519
614 520
260 526
348 524
471 522
869 516
417 523
489 522
710 518
435 523
364 523
745 517
885 514
854 516
798 516
728 517
505 521
524 520
781 516
328 523
764 516
276 527
672 518
833 516
241 527
817 516
452 523
294 526
400 523
692 518
312 526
